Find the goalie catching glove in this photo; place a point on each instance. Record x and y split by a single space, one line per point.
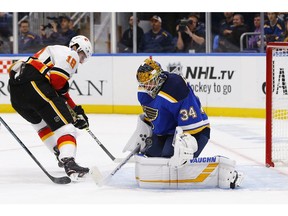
141 136
81 120
185 146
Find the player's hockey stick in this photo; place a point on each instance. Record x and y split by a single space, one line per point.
100 144
116 160
100 180
57 180
74 115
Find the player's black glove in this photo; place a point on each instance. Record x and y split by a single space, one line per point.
81 121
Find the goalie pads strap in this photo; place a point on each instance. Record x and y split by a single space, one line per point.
226 172
142 132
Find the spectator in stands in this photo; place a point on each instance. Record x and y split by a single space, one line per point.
191 36
74 27
126 42
28 42
157 40
284 37
5 47
231 41
225 29
61 32
2 48
273 28
254 39
6 21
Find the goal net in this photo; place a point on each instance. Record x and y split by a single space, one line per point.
277 104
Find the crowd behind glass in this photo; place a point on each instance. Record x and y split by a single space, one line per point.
156 32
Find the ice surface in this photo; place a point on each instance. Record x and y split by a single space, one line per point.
22 181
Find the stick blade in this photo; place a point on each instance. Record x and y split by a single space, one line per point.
96 176
61 180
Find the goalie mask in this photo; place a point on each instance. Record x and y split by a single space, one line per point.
149 76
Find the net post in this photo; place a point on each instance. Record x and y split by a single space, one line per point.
268 137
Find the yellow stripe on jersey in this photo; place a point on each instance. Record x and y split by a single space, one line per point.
197 130
40 66
49 101
167 97
50 64
59 74
196 127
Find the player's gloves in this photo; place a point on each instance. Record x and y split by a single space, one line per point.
81 121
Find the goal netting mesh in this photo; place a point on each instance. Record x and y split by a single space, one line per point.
277 104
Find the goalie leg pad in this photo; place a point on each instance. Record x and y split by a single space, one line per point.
156 172
140 135
204 172
228 176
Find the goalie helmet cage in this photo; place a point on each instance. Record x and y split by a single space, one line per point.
277 104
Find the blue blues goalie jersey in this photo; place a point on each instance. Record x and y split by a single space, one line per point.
174 105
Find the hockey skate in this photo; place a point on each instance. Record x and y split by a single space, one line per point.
237 179
73 170
57 153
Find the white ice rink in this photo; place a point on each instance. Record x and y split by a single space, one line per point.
23 182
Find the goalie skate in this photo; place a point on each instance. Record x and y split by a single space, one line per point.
73 170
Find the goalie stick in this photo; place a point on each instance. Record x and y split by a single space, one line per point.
100 180
57 180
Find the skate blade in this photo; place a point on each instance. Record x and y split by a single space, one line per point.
76 178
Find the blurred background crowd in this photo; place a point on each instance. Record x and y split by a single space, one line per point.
121 32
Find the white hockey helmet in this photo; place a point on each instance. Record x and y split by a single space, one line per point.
83 44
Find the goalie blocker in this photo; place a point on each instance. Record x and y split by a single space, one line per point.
201 172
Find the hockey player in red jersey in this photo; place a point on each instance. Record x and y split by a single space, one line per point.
39 93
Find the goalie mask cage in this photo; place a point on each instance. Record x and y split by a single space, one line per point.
277 104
